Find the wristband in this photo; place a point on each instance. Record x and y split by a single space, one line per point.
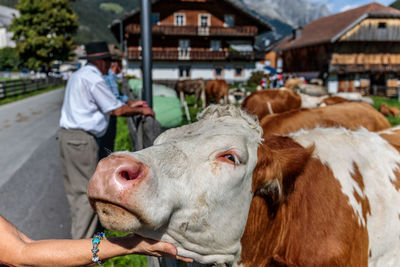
96 241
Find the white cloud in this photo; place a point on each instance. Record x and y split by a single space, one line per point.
347 7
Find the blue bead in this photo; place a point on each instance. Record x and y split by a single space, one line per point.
95 240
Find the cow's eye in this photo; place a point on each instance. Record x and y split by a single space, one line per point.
230 158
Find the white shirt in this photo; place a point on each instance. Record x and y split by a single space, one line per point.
87 102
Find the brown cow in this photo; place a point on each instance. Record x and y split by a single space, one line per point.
293 83
195 87
224 196
217 89
350 115
388 111
264 102
333 100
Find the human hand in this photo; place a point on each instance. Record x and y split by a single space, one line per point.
137 104
144 246
147 111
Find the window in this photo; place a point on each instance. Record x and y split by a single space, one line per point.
184 71
215 45
229 20
239 71
279 63
204 20
218 72
184 44
382 25
180 19
155 18
183 51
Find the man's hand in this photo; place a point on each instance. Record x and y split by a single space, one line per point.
147 111
137 104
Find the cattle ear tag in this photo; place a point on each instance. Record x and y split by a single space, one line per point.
271 190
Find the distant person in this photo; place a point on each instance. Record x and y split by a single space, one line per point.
16 249
85 114
106 142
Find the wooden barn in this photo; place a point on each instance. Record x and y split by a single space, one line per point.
209 39
356 50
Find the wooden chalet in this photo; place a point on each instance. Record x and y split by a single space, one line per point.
356 50
209 39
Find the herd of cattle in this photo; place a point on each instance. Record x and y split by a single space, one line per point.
315 186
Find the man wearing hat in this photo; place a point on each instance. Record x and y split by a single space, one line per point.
88 104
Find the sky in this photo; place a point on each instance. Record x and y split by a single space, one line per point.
343 5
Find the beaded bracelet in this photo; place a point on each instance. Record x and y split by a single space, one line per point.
96 241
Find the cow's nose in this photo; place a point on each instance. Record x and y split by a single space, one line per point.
116 173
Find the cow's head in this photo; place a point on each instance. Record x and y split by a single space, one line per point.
193 188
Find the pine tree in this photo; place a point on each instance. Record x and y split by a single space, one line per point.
44 32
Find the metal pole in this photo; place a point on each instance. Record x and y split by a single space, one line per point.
146 51
121 37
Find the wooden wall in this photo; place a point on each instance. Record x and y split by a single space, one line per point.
369 30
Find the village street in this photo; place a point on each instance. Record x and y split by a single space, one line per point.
32 195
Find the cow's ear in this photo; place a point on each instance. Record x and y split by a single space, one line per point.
280 162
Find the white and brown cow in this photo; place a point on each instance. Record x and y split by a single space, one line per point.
221 194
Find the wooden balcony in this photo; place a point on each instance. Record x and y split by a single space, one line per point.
198 54
241 31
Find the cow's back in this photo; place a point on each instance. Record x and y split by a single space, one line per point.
262 103
350 115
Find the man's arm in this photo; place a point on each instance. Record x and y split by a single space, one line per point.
127 111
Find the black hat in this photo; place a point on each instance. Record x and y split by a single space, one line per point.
97 50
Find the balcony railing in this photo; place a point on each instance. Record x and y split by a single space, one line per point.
197 30
193 54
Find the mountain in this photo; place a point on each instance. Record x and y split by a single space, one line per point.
95 15
293 12
396 4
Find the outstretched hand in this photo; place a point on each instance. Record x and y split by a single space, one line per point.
144 246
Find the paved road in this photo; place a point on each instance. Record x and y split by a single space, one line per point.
32 195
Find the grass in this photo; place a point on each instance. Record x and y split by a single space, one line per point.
393 102
20 97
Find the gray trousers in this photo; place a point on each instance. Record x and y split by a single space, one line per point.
79 156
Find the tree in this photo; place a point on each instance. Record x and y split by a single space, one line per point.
44 32
9 59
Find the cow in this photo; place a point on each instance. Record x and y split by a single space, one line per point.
217 89
350 115
262 103
388 111
195 87
333 100
222 194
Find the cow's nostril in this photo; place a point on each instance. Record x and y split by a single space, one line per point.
130 174
125 175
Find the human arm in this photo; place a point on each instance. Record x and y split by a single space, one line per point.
16 249
127 111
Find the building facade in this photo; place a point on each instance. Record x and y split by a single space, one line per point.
209 39
6 16
356 50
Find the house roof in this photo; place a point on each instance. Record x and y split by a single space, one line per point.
235 3
329 29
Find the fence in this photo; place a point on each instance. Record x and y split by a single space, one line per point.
22 86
